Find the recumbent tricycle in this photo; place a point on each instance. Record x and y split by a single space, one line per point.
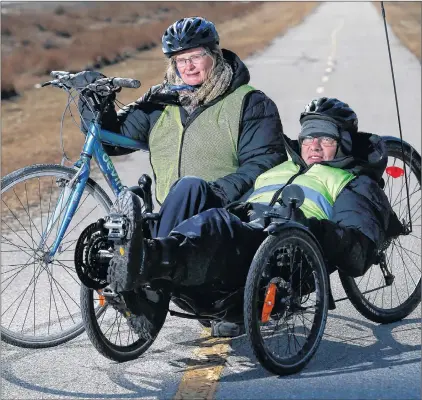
48 241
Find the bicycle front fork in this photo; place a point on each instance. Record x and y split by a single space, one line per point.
65 209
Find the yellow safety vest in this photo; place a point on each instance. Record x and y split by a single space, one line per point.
321 185
207 148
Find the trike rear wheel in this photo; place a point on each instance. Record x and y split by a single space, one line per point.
285 331
370 294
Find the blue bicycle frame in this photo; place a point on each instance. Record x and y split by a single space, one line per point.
74 188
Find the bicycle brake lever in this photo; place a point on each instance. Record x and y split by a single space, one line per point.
100 89
55 83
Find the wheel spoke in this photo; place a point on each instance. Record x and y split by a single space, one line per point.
299 312
12 230
65 268
33 200
29 262
17 219
23 296
392 302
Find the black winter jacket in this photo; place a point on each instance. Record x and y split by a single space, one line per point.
361 212
260 144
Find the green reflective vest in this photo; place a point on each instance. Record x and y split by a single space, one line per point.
198 149
321 185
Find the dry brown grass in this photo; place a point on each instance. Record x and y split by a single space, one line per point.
78 37
30 124
405 20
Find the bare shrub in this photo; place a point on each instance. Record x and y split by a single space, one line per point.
96 34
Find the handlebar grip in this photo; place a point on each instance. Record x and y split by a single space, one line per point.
126 83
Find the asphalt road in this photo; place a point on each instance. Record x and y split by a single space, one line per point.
339 51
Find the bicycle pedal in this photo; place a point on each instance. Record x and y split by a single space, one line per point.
117 226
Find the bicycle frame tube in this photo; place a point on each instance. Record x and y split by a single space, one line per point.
72 193
104 161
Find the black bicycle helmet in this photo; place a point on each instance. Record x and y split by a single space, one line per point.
188 33
332 110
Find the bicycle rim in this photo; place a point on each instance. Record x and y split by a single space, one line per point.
40 299
109 330
376 300
285 341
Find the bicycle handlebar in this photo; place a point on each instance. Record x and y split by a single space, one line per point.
126 83
103 85
62 75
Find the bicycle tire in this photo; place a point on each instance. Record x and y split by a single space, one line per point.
10 183
262 259
366 305
113 351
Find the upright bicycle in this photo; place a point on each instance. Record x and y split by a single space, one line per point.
45 209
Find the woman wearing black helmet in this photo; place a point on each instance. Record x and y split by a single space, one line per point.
204 126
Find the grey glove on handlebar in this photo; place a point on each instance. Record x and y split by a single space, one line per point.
84 78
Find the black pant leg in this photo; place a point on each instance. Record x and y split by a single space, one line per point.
216 247
188 196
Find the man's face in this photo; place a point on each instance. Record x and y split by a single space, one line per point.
193 65
317 149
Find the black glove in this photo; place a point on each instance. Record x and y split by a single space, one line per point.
220 193
348 249
241 209
395 227
83 78
160 94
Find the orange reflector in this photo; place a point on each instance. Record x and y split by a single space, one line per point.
269 302
101 298
394 172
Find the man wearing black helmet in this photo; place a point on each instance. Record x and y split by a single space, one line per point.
339 170
208 132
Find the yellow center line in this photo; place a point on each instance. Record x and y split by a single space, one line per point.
203 372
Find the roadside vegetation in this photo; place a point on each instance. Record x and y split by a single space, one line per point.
122 39
116 38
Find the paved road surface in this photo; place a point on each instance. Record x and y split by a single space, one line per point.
340 51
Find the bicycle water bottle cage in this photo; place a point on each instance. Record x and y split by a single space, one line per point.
117 226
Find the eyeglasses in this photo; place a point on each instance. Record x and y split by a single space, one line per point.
195 59
325 141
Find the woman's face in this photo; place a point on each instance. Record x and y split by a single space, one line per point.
193 65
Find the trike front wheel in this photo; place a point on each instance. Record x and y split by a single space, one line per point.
286 301
112 328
